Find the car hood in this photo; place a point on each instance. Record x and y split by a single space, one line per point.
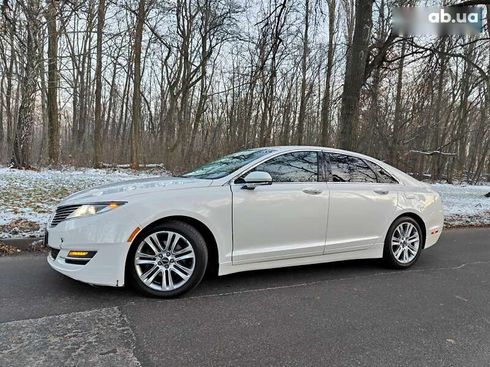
126 189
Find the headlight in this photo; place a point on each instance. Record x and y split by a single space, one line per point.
97 208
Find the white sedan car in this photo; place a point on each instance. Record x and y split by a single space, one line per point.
256 209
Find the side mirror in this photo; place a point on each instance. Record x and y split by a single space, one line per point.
256 178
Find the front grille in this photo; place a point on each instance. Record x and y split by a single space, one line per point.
61 213
54 252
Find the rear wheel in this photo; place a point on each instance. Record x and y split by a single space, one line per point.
403 243
168 260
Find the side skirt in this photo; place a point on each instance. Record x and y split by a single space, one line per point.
373 252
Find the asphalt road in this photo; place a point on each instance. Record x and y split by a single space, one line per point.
355 313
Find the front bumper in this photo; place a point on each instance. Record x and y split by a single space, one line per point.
106 267
106 234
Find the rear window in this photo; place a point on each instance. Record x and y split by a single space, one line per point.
383 175
346 168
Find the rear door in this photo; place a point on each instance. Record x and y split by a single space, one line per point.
283 220
362 204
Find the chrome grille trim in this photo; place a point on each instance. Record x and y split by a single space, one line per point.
61 213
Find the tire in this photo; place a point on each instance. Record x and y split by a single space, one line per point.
172 257
401 251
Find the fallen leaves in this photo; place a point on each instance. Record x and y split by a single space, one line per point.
8 249
20 226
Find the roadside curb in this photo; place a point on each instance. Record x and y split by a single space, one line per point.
23 244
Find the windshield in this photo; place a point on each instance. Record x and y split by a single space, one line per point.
227 165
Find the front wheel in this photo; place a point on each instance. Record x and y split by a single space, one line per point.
168 259
403 243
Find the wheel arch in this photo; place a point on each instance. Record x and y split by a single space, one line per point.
203 229
419 221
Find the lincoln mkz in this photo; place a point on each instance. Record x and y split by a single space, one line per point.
256 209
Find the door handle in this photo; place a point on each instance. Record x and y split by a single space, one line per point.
381 192
312 191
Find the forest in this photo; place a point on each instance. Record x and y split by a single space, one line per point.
180 82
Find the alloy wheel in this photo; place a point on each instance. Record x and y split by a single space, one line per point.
405 242
165 261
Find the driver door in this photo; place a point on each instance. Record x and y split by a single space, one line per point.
283 220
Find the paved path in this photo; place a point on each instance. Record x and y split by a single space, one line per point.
342 314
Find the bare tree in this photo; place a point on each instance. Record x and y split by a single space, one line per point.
136 116
193 79
304 93
354 75
326 114
98 86
52 89
28 87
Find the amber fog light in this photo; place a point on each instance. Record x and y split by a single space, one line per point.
81 254
79 257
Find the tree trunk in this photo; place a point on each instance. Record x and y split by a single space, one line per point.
22 141
52 90
326 100
397 120
136 116
304 65
354 75
98 87
44 146
437 160
8 94
2 133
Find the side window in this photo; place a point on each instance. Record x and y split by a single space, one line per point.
383 176
345 168
292 167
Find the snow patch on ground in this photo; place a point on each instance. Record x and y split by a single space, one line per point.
27 198
464 205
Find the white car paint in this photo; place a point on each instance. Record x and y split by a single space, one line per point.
290 222
284 224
